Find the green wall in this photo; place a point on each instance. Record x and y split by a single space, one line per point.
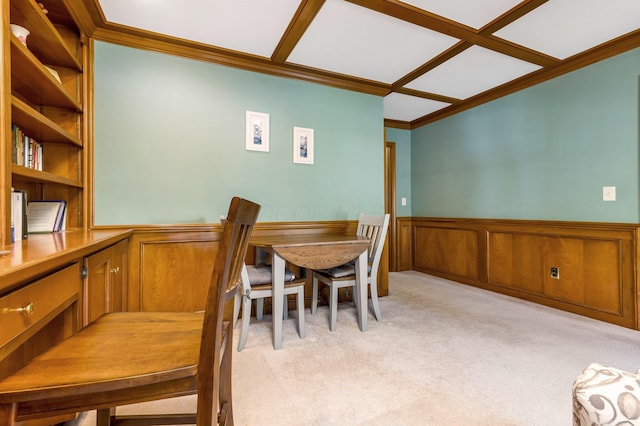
170 143
541 153
402 139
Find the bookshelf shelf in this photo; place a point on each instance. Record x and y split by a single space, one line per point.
45 41
27 174
38 126
31 79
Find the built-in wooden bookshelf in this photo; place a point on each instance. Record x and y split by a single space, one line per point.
46 107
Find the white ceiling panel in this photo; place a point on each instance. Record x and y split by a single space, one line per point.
472 13
471 72
244 25
356 41
562 28
403 107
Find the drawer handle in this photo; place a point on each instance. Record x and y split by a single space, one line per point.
27 309
115 270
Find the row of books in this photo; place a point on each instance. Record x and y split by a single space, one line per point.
27 151
31 217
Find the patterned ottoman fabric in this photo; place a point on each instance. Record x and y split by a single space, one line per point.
605 395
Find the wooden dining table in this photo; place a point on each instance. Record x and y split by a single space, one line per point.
313 251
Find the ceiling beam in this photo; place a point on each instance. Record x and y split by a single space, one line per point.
422 18
307 10
425 95
512 15
428 66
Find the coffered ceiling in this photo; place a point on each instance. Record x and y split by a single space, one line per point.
428 58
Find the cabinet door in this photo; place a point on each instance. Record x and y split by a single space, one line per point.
106 281
97 285
119 276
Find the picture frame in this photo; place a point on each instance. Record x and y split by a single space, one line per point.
303 145
257 131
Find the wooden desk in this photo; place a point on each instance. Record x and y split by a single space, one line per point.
313 251
41 291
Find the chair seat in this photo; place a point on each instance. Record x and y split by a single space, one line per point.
347 270
257 285
261 274
153 354
287 285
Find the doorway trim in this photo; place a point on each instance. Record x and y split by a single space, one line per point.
390 199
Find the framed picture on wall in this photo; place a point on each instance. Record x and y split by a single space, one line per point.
257 131
302 145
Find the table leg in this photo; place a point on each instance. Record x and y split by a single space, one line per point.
8 413
277 275
362 290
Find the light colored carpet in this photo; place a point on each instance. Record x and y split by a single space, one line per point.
444 354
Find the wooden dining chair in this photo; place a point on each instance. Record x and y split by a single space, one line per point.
374 228
257 285
129 357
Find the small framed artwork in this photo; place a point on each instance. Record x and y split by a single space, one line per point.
302 145
257 131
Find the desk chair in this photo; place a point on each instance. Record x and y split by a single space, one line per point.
374 228
256 285
129 357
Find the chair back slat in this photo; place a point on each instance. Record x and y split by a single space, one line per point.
374 228
223 285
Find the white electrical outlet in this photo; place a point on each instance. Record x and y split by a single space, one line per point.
404 201
608 193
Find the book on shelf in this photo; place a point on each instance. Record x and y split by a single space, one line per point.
27 152
13 217
18 215
61 218
46 216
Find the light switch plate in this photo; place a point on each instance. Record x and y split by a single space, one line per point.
404 201
608 193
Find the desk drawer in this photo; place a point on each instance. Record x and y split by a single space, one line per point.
45 298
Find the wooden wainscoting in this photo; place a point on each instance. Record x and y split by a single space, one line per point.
404 244
596 263
170 266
